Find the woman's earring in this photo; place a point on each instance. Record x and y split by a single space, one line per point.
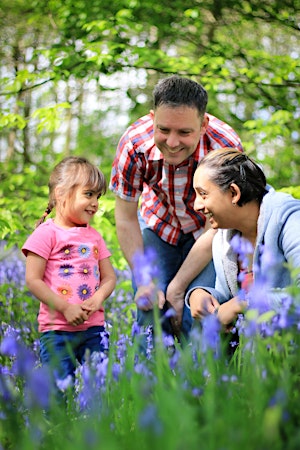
233 203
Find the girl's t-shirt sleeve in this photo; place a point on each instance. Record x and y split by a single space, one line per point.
40 241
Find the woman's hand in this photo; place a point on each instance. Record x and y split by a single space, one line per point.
202 303
229 311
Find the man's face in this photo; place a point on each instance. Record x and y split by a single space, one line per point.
177 131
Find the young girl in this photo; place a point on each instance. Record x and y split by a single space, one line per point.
68 267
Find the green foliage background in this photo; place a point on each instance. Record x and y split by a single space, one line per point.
75 73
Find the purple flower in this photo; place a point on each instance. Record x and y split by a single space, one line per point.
149 419
6 394
141 368
174 360
258 297
9 346
279 398
145 268
116 371
87 392
101 368
170 313
24 359
104 340
136 329
142 302
168 340
64 384
38 388
242 247
197 392
211 334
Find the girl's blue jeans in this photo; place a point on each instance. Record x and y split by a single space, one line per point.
61 349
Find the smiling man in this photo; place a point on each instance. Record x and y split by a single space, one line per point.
152 177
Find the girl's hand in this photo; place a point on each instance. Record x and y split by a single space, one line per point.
75 315
91 305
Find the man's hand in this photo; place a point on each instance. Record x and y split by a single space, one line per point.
147 296
202 303
175 297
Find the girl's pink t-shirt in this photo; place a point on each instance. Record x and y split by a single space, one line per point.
72 269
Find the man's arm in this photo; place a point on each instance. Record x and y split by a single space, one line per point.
131 242
128 229
197 259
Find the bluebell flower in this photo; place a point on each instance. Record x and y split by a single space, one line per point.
65 383
168 340
24 359
9 346
249 328
173 362
145 268
87 392
170 313
149 420
116 370
258 297
242 247
279 398
142 368
121 348
101 365
6 391
211 328
197 392
37 390
104 335
142 302
136 329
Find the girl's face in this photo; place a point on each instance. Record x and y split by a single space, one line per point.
78 208
211 201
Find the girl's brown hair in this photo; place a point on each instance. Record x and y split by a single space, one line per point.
71 172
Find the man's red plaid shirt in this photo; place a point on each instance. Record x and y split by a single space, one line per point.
166 191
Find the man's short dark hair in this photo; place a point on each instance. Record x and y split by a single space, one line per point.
177 91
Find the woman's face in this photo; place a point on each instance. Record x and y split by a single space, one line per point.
211 201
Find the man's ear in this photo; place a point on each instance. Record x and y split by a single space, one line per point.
204 124
235 193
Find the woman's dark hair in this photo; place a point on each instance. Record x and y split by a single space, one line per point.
176 91
229 165
71 172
